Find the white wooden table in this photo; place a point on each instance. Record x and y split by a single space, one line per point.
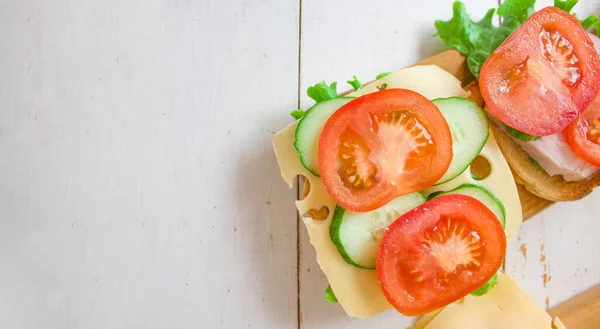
138 187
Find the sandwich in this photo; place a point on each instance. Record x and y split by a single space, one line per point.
538 76
408 199
391 161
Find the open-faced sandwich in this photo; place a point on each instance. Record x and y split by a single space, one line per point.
395 201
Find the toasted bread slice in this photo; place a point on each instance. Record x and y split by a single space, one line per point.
536 180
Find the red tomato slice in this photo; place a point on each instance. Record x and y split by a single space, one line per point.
543 75
383 145
438 253
583 135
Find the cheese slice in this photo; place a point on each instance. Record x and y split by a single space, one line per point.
357 290
506 306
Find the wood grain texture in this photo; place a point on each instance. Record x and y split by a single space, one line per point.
138 186
345 38
581 311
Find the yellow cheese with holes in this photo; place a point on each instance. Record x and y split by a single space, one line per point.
506 306
356 289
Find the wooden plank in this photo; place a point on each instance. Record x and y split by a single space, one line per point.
581 311
345 38
138 185
555 254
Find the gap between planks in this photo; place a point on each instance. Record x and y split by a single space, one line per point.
298 226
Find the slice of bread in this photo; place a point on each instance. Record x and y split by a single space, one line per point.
534 179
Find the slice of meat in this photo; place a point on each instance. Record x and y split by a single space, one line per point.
554 155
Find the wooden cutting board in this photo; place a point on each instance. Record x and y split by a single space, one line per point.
581 311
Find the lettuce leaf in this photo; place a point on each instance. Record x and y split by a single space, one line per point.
297 114
591 21
519 134
477 40
355 83
566 5
381 75
520 10
329 295
486 286
321 91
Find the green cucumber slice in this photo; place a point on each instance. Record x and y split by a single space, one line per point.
480 193
357 234
309 129
470 130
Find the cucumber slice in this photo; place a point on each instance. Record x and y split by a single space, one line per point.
309 129
357 234
480 193
470 130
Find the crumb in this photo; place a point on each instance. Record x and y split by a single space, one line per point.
228 132
228 291
265 55
268 202
187 284
542 257
235 228
586 270
214 207
547 303
308 270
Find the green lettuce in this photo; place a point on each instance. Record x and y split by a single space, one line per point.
486 286
519 134
477 40
381 75
321 91
297 114
329 295
355 83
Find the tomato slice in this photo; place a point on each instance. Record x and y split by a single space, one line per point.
543 75
438 253
583 135
383 145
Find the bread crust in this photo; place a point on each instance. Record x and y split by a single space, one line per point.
536 180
